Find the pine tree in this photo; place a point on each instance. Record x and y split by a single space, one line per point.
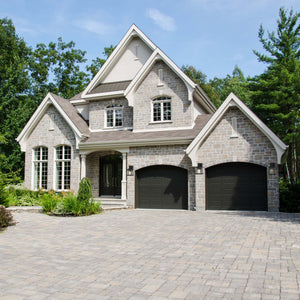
276 92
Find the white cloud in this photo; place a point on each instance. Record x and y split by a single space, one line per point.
94 26
165 22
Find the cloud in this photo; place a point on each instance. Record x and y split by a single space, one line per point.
165 22
93 26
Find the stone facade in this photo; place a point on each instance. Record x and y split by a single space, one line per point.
52 131
141 157
172 86
248 145
97 113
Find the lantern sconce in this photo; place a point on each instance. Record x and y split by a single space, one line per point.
272 168
130 171
199 168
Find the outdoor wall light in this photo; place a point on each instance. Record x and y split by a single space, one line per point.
199 168
272 168
130 171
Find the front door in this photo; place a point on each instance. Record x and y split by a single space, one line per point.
110 175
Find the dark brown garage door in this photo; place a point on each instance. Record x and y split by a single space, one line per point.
236 186
162 187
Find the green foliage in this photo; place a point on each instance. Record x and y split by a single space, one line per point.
23 197
97 63
200 78
85 190
6 218
276 92
289 197
69 205
3 193
49 201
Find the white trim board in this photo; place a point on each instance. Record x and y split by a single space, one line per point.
233 100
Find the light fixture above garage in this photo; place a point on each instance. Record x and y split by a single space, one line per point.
130 171
272 168
199 168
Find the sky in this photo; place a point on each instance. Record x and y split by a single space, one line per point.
211 35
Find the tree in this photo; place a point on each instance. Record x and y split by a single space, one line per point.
57 68
15 89
98 62
200 78
235 83
276 92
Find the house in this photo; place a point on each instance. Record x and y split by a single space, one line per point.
149 137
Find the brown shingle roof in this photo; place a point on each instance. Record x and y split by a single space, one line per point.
110 87
73 114
127 135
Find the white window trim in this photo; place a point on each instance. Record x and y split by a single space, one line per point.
40 167
161 110
114 117
63 168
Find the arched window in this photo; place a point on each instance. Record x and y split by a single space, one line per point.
114 116
161 109
40 165
63 167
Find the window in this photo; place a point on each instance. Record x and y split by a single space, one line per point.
40 165
234 127
114 115
161 109
63 167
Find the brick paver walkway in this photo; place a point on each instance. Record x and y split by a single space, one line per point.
152 254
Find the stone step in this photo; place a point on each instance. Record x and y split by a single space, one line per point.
111 203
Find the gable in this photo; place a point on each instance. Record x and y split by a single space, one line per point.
233 101
131 60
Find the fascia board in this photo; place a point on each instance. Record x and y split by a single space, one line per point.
159 55
104 95
232 100
135 143
133 31
22 137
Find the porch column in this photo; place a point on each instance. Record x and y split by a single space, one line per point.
124 176
83 166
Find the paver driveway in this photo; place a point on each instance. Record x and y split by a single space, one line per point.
141 254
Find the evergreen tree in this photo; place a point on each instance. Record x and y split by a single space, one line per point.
276 92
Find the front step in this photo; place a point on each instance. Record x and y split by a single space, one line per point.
111 203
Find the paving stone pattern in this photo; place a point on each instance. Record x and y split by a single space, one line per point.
152 254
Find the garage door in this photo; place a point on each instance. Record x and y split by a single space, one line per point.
236 186
162 187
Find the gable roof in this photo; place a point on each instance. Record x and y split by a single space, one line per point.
67 111
233 100
133 31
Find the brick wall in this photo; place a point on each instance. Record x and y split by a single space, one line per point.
97 113
140 157
172 86
250 145
61 134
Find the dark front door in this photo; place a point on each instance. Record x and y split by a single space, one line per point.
110 175
236 186
163 187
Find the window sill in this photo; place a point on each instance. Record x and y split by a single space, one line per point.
160 122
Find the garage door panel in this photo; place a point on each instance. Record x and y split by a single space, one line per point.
236 186
162 187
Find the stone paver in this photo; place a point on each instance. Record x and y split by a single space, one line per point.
152 254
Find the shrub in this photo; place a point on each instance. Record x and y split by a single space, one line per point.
6 218
49 201
85 191
3 194
289 197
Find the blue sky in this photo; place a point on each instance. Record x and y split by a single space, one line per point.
211 35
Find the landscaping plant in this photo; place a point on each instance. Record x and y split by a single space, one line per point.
6 218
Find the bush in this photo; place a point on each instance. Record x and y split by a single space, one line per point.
49 201
289 197
85 191
3 194
6 218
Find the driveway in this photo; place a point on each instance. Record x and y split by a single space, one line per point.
152 254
